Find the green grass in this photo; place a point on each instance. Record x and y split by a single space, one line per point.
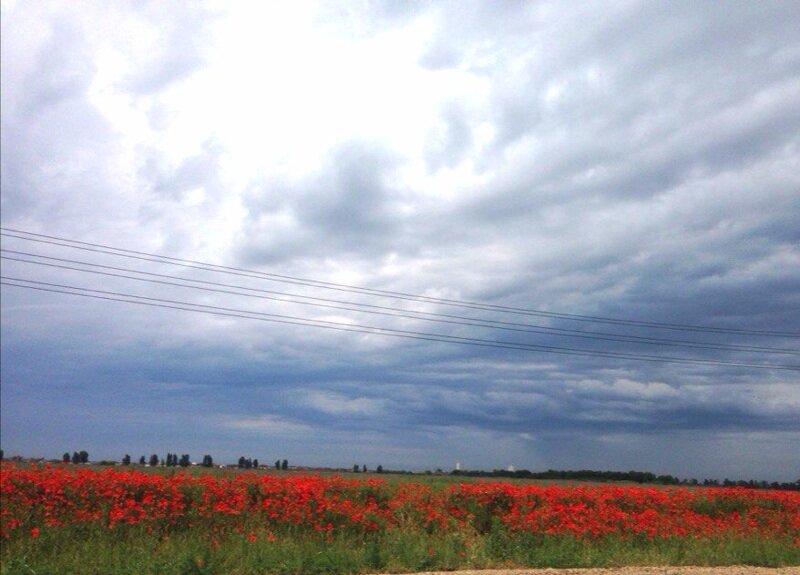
101 551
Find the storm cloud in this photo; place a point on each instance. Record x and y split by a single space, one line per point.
627 173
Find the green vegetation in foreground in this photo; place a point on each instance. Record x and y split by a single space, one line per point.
83 550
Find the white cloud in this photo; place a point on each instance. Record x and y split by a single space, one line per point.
266 424
630 389
338 404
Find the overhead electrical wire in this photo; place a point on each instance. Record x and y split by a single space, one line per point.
370 308
340 326
386 311
151 257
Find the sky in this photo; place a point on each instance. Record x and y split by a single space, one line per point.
634 164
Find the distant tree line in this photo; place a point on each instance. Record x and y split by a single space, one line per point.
781 486
172 460
364 469
76 457
247 463
644 477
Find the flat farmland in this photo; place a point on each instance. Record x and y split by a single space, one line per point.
82 519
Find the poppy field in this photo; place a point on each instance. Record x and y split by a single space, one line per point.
77 519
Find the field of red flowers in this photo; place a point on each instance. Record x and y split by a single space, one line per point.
265 509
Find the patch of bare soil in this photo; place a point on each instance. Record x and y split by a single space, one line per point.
730 570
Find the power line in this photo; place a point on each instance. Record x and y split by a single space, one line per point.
392 312
281 318
146 256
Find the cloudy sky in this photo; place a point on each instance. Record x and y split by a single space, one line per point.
633 162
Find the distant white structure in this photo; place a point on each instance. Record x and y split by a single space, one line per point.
511 468
458 466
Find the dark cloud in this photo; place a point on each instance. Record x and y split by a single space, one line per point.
198 171
177 51
452 141
350 208
50 97
61 73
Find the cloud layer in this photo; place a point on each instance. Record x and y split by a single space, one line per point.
636 161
